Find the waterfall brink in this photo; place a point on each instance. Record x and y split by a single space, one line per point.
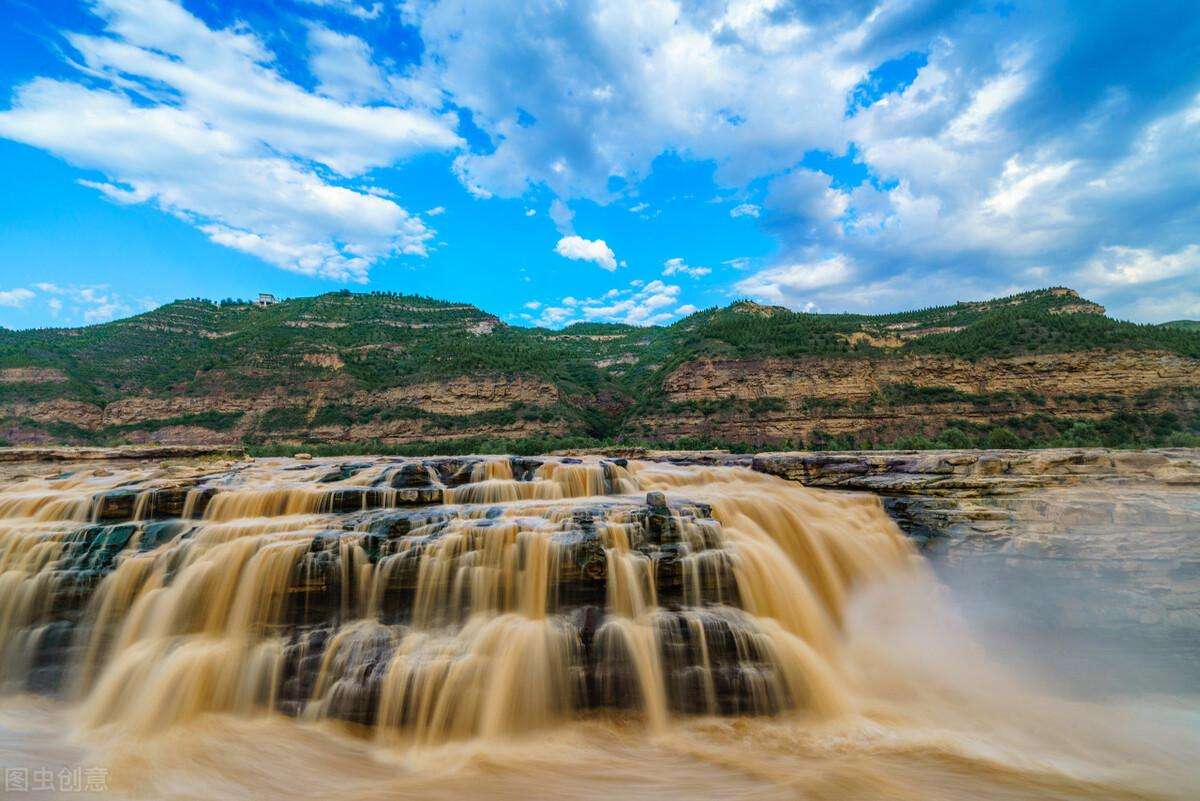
433 600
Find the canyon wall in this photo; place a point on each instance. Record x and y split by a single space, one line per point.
765 400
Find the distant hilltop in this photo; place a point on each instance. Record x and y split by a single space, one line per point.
385 370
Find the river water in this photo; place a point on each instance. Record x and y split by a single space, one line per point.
551 632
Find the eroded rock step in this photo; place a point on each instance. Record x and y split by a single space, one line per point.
398 483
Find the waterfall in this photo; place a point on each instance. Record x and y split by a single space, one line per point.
433 600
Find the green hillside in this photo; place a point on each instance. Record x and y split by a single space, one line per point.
334 346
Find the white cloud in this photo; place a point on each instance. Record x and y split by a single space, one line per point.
364 11
1019 181
436 211
614 84
593 250
976 166
790 284
218 138
530 212
343 66
533 304
678 266
563 217
648 304
1181 305
1124 266
553 316
95 303
15 298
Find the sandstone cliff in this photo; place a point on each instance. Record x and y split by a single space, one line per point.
765 400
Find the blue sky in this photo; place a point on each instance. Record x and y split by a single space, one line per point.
626 160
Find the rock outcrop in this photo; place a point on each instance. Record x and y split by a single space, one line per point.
790 399
954 496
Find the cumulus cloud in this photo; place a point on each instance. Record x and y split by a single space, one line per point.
792 284
594 250
198 122
640 303
612 85
1031 144
679 266
970 180
1115 266
1021 142
15 298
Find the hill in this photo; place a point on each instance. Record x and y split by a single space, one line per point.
384 370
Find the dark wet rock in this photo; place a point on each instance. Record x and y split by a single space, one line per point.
115 505
412 475
524 468
343 472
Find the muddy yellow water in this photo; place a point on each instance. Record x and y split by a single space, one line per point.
544 632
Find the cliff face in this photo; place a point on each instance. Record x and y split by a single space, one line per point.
1083 373
792 398
291 415
402 369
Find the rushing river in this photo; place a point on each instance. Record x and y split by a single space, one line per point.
524 628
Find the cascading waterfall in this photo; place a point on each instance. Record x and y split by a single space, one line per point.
509 627
431 600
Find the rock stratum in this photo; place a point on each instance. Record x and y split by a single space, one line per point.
1041 368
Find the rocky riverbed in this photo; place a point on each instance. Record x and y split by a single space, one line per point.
1077 540
961 495
957 497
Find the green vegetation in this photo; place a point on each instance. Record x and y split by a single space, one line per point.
326 362
1121 430
1124 429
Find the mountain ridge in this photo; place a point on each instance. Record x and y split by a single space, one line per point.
397 370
